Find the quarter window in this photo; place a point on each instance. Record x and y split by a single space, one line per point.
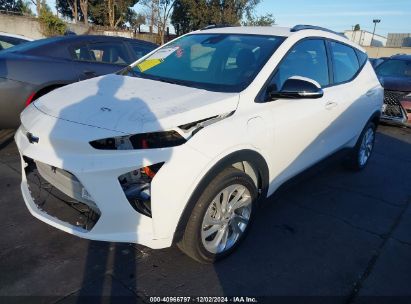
362 57
307 59
345 62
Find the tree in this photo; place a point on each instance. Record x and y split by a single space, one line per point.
38 4
136 20
68 9
19 6
189 15
84 10
25 8
158 13
50 24
113 13
73 4
357 27
265 20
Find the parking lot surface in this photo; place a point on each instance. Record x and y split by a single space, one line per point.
330 232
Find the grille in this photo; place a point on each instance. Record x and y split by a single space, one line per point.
56 203
392 106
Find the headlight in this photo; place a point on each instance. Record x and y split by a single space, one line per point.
154 140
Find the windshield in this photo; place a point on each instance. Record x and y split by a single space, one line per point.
8 42
29 45
395 67
216 62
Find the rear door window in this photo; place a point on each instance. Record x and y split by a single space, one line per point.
345 62
102 52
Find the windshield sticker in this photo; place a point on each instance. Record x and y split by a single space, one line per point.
163 53
148 64
155 59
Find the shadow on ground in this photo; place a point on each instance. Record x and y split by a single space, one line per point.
329 232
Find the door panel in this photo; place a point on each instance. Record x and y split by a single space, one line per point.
301 126
302 132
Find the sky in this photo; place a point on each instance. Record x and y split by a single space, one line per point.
338 15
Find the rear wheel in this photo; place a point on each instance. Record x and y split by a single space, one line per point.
361 153
221 217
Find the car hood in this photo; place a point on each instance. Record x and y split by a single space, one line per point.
134 105
390 83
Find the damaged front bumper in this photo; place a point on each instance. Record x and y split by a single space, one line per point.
86 203
394 111
88 198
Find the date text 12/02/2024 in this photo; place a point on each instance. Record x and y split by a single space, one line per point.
203 300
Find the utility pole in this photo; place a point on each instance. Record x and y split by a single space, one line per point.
375 25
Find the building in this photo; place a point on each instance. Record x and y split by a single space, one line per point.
399 40
365 38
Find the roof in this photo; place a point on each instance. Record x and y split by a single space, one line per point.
280 31
402 57
251 30
91 37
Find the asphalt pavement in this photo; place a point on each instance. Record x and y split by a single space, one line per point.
337 235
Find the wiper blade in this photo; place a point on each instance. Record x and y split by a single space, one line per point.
129 70
167 81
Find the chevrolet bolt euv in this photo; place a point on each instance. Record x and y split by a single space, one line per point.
179 147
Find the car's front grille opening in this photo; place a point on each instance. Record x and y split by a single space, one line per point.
392 106
137 187
49 188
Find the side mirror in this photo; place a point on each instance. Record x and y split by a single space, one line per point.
297 88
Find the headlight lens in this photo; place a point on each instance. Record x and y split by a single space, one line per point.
154 140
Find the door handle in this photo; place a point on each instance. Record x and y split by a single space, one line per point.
370 93
330 105
90 73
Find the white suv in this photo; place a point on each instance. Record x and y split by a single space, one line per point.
180 146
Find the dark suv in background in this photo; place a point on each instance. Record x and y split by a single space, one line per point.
395 76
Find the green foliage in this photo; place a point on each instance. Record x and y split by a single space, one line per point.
357 27
99 12
25 8
189 15
63 7
19 6
265 20
50 24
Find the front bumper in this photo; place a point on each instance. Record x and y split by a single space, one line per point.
393 111
65 146
103 227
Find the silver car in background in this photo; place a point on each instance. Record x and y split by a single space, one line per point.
31 70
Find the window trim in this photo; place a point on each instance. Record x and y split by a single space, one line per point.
260 98
360 67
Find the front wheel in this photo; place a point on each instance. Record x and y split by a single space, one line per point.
362 151
221 217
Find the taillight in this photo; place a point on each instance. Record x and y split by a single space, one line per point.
30 99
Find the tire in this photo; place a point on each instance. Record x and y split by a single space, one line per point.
208 222
361 153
